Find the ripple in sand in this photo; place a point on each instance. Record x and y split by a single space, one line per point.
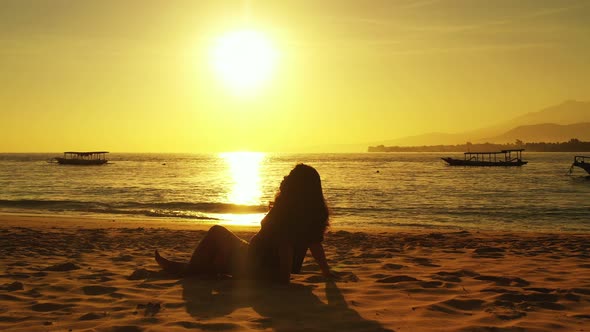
126 328
423 261
140 274
150 309
457 306
448 276
122 258
390 266
102 276
466 305
508 314
45 307
585 291
91 316
374 255
540 300
13 319
12 287
396 279
16 276
340 277
98 290
209 327
7 297
489 252
174 305
504 281
63 267
541 289
431 284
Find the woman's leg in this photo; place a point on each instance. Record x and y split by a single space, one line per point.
170 266
215 252
213 255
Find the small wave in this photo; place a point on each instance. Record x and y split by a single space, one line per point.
185 210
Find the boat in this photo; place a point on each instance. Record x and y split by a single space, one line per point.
83 158
512 157
581 161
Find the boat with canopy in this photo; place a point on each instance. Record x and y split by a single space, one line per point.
83 158
511 157
582 162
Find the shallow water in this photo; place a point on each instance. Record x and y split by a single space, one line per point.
362 190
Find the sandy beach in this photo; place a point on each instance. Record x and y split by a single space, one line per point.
82 274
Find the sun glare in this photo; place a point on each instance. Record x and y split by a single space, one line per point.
244 168
243 60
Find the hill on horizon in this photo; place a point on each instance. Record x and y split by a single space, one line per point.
555 123
546 132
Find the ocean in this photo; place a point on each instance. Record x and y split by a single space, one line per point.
363 190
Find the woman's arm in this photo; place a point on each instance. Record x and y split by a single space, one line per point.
317 251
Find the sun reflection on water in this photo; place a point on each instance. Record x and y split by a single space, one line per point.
244 170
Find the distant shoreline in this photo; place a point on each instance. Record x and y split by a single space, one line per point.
573 145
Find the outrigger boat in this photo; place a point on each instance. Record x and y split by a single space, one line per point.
83 158
583 162
501 158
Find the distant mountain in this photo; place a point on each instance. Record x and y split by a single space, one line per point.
546 132
567 113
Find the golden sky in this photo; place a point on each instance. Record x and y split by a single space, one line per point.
137 75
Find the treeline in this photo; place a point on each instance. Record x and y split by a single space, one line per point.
573 145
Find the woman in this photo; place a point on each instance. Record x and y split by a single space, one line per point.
296 222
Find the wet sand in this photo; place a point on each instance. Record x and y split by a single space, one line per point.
83 274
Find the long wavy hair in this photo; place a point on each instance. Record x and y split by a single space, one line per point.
299 203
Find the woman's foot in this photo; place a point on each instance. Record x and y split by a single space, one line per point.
169 266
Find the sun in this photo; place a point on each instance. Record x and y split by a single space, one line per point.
243 60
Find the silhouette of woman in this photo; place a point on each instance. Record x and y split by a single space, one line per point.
295 223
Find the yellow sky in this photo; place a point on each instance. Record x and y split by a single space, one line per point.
134 76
